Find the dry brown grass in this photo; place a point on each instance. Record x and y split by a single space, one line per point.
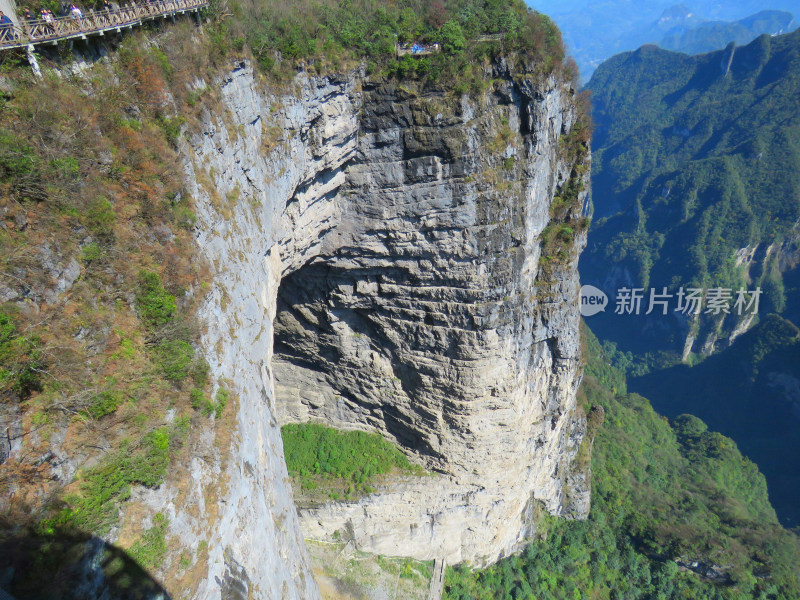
101 135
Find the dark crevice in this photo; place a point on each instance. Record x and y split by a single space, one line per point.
310 303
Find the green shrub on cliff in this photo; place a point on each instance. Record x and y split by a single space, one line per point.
95 508
452 37
21 361
155 304
149 550
19 164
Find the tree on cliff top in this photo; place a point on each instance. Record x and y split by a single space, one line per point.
333 34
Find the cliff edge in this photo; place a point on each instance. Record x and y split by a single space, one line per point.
412 253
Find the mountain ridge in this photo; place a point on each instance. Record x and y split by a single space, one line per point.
693 167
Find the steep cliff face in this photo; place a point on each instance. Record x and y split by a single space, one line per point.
253 156
389 240
422 318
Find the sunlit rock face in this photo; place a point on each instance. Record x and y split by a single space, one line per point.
377 256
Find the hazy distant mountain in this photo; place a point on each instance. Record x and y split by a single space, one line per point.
595 31
713 35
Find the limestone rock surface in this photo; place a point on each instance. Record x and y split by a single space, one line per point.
378 265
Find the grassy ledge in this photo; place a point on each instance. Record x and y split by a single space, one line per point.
326 463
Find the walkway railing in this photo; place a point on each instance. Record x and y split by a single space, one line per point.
94 22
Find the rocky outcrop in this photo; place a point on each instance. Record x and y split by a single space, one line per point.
423 317
388 239
758 264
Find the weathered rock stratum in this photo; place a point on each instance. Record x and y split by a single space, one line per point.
379 265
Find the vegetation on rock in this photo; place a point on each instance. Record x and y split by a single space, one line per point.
317 454
332 35
677 512
100 279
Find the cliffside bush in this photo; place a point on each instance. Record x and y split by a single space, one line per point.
95 507
21 361
150 549
156 305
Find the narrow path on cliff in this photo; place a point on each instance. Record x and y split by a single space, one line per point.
40 31
437 580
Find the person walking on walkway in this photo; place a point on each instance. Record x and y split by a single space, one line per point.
46 15
30 22
6 27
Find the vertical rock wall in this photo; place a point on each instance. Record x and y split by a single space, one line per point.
426 317
388 239
251 158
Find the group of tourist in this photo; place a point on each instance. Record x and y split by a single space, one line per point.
419 48
43 23
45 15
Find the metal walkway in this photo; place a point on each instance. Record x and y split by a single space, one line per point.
32 33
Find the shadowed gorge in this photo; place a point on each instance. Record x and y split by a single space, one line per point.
758 375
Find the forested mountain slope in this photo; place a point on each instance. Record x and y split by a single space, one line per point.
677 512
695 183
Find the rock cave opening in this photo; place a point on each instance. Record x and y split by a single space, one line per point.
333 360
